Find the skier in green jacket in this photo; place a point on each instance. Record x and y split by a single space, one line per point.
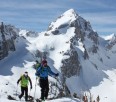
24 80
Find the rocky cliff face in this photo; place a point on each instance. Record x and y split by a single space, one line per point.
83 31
8 34
71 66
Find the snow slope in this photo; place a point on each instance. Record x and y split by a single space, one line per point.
13 67
97 74
14 60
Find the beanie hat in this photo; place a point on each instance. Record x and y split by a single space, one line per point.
44 61
26 72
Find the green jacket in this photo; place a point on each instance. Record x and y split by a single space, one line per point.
24 81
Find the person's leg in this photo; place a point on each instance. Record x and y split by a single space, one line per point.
26 93
22 92
46 88
42 88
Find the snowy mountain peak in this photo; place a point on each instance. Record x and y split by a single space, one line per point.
113 37
67 20
111 41
109 37
70 12
63 21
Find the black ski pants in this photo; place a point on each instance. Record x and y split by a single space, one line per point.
24 90
44 84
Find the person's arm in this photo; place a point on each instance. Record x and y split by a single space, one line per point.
51 72
38 71
19 80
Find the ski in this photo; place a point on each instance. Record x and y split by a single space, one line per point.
12 98
38 100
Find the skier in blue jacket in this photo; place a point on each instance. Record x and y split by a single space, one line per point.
43 72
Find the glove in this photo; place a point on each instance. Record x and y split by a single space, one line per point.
30 87
57 75
37 77
36 74
17 82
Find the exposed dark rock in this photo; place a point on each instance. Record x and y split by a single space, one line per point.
94 37
94 48
101 60
75 24
63 26
71 66
55 32
31 34
46 34
7 44
95 65
79 34
86 56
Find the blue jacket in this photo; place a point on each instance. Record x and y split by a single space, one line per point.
43 72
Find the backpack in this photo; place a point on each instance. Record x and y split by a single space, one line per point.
36 66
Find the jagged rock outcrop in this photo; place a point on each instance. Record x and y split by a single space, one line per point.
86 56
31 33
94 37
71 66
7 36
79 34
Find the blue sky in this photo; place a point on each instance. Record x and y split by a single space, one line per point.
36 15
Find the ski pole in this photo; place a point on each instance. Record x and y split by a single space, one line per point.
17 90
35 87
30 92
30 97
55 89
